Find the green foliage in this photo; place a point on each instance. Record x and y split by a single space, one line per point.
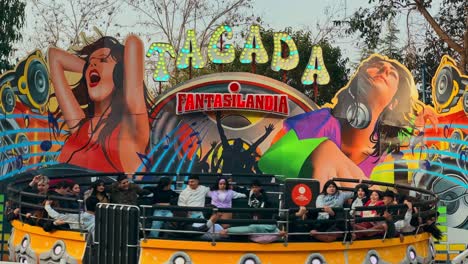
11 21
334 62
368 22
451 19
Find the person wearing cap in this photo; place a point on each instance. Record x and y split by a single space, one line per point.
193 196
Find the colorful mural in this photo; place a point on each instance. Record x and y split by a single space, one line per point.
91 108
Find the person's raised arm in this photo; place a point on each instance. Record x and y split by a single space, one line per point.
135 120
268 130
69 218
223 137
237 195
142 191
213 146
59 62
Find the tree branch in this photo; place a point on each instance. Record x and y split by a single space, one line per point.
439 31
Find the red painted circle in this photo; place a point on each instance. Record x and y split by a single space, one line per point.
234 87
301 195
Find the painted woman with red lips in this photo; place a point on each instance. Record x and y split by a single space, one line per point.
106 111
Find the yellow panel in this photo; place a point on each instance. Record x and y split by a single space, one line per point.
441 247
457 247
161 251
42 241
443 257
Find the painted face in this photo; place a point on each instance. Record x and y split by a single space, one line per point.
374 197
360 193
193 184
331 189
99 75
76 189
384 79
124 184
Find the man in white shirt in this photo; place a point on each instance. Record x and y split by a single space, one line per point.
194 195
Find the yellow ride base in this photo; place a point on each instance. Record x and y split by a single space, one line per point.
387 251
34 245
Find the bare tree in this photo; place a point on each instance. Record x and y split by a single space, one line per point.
168 20
59 23
173 18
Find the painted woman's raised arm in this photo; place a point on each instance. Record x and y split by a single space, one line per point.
59 62
136 116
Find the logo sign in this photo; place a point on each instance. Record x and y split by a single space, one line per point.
301 195
234 100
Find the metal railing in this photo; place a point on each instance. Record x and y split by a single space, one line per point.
279 216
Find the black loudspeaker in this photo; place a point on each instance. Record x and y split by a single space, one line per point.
33 81
7 99
449 86
301 192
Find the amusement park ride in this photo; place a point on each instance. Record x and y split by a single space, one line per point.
229 125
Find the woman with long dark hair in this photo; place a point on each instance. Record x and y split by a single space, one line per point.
105 112
98 189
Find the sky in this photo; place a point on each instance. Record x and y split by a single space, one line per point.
306 13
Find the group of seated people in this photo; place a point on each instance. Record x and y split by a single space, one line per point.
382 217
328 221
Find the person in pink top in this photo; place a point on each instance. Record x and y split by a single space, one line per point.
222 195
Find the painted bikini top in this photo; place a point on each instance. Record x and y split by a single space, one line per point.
90 155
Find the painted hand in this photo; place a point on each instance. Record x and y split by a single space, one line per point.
427 115
269 128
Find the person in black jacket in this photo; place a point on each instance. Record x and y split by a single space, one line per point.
257 198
